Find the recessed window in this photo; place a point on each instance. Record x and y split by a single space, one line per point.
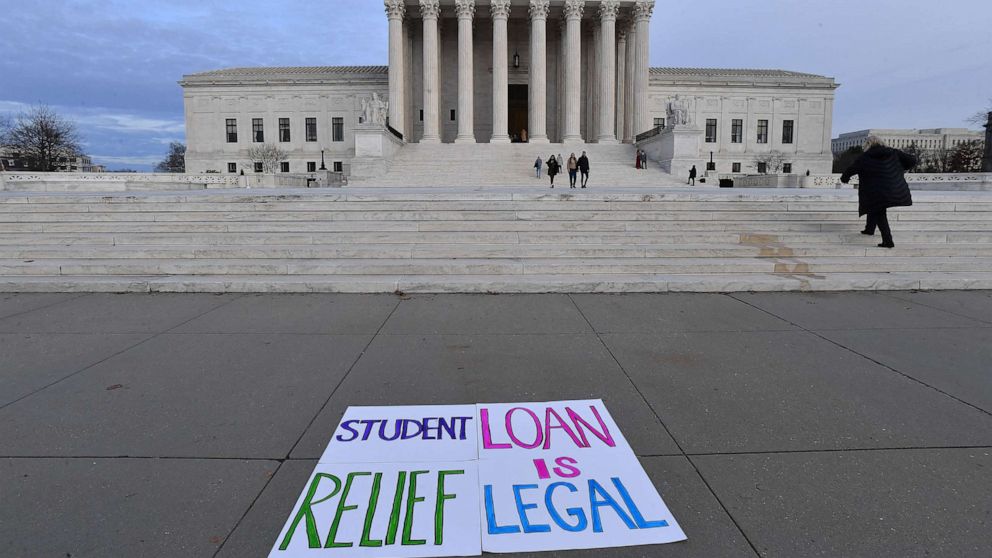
762 167
311 129
258 167
284 166
232 130
788 130
311 166
232 167
711 130
337 129
452 115
762 131
659 122
338 166
257 130
735 167
737 131
421 115
283 130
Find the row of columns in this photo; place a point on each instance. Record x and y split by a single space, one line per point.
623 76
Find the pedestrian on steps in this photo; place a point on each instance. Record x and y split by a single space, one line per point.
584 168
573 170
637 160
553 169
537 168
883 185
692 176
561 163
644 160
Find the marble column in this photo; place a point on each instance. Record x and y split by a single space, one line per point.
621 89
429 11
395 11
642 20
465 10
573 77
631 58
608 10
500 10
539 70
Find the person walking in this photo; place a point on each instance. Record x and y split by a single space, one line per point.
692 176
561 163
883 185
637 160
537 167
573 170
553 169
584 168
644 160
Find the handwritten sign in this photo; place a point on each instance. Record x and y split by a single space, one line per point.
454 480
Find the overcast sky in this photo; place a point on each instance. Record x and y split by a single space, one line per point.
112 65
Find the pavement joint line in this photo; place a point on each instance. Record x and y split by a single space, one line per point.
831 450
870 359
146 457
45 307
344 377
248 509
892 295
122 351
667 430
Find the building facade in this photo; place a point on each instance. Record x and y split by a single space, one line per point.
502 71
926 140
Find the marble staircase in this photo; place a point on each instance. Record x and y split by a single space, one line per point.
478 240
511 165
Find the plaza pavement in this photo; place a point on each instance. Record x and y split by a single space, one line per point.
778 424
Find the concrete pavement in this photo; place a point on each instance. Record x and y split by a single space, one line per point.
774 424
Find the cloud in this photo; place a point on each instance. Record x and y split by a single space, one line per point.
130 123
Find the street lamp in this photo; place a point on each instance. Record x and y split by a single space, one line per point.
322 166
516 60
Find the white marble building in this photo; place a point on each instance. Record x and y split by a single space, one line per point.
926 140
499 71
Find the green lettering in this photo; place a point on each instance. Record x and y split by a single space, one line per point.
439 509
394 517
305 512
411 500
370 514
331 543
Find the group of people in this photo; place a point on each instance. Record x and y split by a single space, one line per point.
556 165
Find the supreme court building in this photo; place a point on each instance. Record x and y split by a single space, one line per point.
502 71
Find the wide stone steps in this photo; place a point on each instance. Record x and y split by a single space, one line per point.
437 240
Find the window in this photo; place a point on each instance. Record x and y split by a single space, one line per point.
762 168
284 166
338 166
232 167
258 167
452 115
311 129
711 130
736 167
762 131
737 131
421 115
257 130
337 129
787 168
311 166
788 128
659 122
232 130
283 130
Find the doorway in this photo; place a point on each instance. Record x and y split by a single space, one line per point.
517 114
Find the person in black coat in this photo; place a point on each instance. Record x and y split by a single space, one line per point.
552 169
883 185
692 176
584 168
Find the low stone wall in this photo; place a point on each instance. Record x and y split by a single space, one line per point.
138 182
964 182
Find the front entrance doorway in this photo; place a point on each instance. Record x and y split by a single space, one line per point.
517 117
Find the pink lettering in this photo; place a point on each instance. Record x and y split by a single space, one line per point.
539 434
487 438
603 434
549 413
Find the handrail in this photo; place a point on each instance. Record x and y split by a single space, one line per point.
650 133
394 132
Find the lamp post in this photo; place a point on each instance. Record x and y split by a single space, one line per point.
516 60
322 166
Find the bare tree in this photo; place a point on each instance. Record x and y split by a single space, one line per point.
175 161
938 160
43 138
980 118
773 160
967 157
269 156
920 155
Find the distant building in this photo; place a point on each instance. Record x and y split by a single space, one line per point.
13 161
987 160
925 140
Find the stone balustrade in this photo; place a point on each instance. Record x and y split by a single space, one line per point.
917 181
125 182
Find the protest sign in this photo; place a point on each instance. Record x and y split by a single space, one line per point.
367 510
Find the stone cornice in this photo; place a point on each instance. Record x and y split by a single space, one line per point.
500 9
395 9
574 9
539 9
643 10
465 9
430 9
608 10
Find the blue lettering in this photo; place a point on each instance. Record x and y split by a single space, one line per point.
428 428
574 512
638 517
347 426
368 428
406 434
495 529
607 500
382 431
522 510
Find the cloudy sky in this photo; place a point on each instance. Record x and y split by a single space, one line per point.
112 65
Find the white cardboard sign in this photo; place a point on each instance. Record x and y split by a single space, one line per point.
367 510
